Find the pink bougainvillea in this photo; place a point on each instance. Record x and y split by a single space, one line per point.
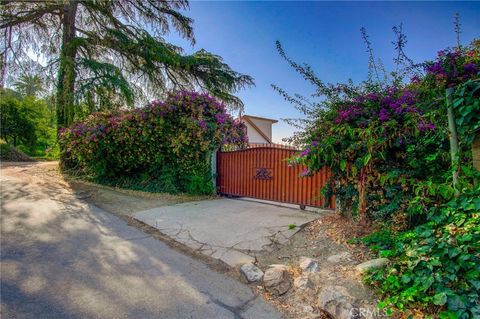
180 132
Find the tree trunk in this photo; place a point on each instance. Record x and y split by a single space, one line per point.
66 69
4 56
452 127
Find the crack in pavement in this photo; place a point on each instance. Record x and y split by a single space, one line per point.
236 310
211 246
277 237
203 245
138 238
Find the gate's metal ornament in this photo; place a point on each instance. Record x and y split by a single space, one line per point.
263 173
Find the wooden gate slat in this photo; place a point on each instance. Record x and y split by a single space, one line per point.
235 180
270 167
324 178
250 173
286 171
276 178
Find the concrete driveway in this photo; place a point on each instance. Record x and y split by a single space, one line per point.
231 230
64 258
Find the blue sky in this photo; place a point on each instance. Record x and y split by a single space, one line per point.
323 34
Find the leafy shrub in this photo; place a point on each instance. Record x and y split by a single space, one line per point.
165 146
387 144
437 263
200 185
167 180
27 123
382 240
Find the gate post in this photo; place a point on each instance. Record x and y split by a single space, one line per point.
213 165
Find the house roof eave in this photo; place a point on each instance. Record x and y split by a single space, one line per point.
260 118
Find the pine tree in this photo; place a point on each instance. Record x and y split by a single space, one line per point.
112 47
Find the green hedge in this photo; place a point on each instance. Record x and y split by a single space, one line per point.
163 147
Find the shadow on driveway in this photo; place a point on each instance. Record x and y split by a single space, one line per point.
63 258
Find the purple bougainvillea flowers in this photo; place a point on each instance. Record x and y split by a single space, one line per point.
305 152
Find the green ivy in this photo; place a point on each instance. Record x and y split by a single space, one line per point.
437 263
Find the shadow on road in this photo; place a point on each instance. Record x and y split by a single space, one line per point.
63 258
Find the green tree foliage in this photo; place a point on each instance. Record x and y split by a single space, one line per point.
29 85
114 50
26 122
17 126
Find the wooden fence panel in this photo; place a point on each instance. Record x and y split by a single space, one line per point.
264 173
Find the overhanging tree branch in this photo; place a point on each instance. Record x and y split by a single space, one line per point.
123 56
27 16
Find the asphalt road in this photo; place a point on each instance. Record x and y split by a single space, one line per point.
63 258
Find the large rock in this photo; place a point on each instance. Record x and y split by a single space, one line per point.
308 264
251 272
303 282
276 279
342 257
338 302
372 264
331 293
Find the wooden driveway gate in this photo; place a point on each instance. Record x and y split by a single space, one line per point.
263 173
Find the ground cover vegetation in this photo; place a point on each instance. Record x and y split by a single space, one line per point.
399 147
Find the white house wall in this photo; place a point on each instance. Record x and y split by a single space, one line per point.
265 126
254 136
